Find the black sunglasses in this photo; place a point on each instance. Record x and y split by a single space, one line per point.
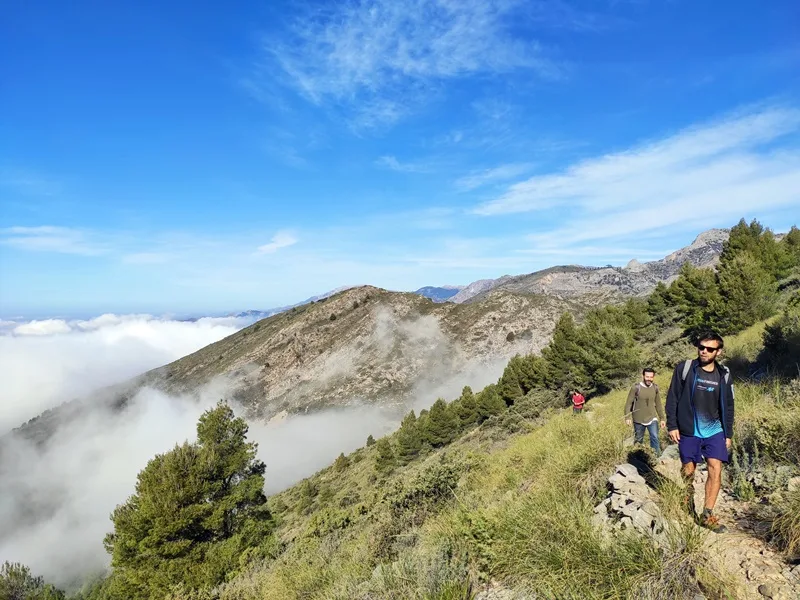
707 348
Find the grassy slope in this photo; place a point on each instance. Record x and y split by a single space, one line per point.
498 507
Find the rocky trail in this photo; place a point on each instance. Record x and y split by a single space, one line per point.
741 552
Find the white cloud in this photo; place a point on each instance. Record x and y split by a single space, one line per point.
44 363
381 57
57 497
702 176
48 238
390 162
282 239
478 179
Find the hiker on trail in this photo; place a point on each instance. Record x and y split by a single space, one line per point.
700 419
644 410
577 402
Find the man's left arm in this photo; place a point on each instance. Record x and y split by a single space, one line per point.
659 408
729 413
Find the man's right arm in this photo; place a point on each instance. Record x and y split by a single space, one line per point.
629 403
673 394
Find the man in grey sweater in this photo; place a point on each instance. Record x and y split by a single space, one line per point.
644 410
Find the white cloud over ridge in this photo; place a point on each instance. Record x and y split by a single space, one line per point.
697 177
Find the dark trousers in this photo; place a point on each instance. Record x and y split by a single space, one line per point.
652 429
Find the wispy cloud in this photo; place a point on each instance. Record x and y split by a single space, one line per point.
48 238
28 183
379 57
282 239
483 177
390 162
700 176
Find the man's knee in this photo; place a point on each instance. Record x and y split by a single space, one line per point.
714 468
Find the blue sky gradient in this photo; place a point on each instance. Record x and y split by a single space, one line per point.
192 157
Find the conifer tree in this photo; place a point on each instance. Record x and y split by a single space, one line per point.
658 303
748 293
385 459
563 355
409 439
442 426
370 440
467 408
489 403
17 583
195 509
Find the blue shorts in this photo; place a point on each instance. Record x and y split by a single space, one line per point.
695 449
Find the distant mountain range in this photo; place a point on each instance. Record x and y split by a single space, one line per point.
441 293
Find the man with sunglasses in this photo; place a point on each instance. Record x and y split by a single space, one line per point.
700 419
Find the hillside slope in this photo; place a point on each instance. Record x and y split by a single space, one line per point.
367 344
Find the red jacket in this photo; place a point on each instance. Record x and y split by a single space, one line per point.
578 400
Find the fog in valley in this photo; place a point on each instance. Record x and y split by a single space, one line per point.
57 498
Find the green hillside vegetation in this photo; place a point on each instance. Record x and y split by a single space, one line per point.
495 485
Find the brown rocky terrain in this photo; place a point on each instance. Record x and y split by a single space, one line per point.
604 284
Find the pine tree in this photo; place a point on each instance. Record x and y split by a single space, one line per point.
409 439
384 459
489 403
370 440
748 293
610 354
17 583
508 386
442 425
658 303
194 511
695 294
563 355
791 243
467 408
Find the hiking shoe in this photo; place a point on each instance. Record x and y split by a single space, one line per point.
711 522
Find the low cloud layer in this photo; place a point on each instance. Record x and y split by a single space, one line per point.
44 363
57 498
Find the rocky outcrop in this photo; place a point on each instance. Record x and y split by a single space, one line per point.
630 504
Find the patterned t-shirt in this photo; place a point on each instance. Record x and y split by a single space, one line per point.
706 403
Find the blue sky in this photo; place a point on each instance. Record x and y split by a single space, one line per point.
199 157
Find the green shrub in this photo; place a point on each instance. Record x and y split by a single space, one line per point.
786 527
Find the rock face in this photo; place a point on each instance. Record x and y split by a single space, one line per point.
604 284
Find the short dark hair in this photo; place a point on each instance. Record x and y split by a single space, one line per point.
648 370
709 335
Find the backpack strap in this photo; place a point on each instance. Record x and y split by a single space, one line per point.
687 365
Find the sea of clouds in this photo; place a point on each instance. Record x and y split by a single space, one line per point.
57 498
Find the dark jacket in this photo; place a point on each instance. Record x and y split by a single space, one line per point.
680 400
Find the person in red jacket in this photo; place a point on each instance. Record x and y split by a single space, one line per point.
577 402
